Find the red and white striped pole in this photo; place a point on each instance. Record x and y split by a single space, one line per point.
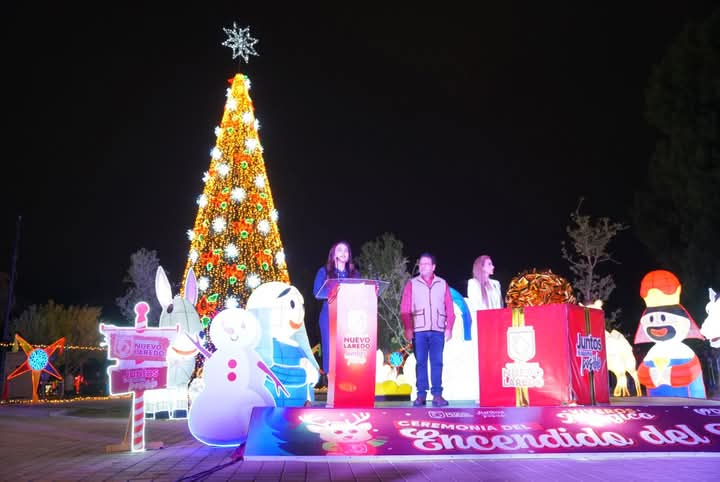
141 311
138 428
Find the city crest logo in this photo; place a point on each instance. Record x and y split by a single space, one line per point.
521 373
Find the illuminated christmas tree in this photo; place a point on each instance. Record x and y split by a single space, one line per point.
235 244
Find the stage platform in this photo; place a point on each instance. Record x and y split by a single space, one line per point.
67 442
396 429
381 402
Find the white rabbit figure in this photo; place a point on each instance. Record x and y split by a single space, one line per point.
234 381
711 326
179 310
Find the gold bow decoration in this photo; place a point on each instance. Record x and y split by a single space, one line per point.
536 288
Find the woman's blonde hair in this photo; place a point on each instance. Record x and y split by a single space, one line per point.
481 276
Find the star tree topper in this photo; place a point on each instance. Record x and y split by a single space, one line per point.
240 41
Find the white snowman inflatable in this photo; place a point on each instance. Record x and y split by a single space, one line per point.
234 381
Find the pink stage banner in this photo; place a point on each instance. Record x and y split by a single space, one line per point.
123 379
316 433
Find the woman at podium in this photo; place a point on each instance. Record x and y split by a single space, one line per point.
339 265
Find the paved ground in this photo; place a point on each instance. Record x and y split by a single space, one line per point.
67 442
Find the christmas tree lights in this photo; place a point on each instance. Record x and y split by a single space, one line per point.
235 243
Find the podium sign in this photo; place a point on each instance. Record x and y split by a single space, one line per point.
353 342
542 355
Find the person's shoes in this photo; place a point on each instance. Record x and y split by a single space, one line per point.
439 401
419 402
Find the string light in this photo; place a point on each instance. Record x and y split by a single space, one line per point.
65 347
60 401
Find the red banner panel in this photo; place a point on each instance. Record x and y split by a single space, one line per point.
542 355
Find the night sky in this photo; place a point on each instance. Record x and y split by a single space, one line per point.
463 132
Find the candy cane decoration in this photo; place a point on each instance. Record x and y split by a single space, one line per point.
141 311
138 436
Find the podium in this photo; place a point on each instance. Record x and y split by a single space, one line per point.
352 304
542 355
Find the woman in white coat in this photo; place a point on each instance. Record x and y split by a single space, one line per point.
484 292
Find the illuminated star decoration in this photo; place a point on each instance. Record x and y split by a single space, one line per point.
240 41
37 361
396 359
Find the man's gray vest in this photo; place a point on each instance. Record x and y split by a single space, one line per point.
428 304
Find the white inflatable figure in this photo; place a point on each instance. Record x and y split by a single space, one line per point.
461 373
383 371
710 328
620 358
234 381
285 348
178 310
621 361
670 368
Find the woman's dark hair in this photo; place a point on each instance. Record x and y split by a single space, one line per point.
330 265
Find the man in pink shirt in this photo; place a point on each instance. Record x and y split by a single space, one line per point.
427 312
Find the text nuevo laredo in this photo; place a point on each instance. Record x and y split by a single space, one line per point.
149 349
356 342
